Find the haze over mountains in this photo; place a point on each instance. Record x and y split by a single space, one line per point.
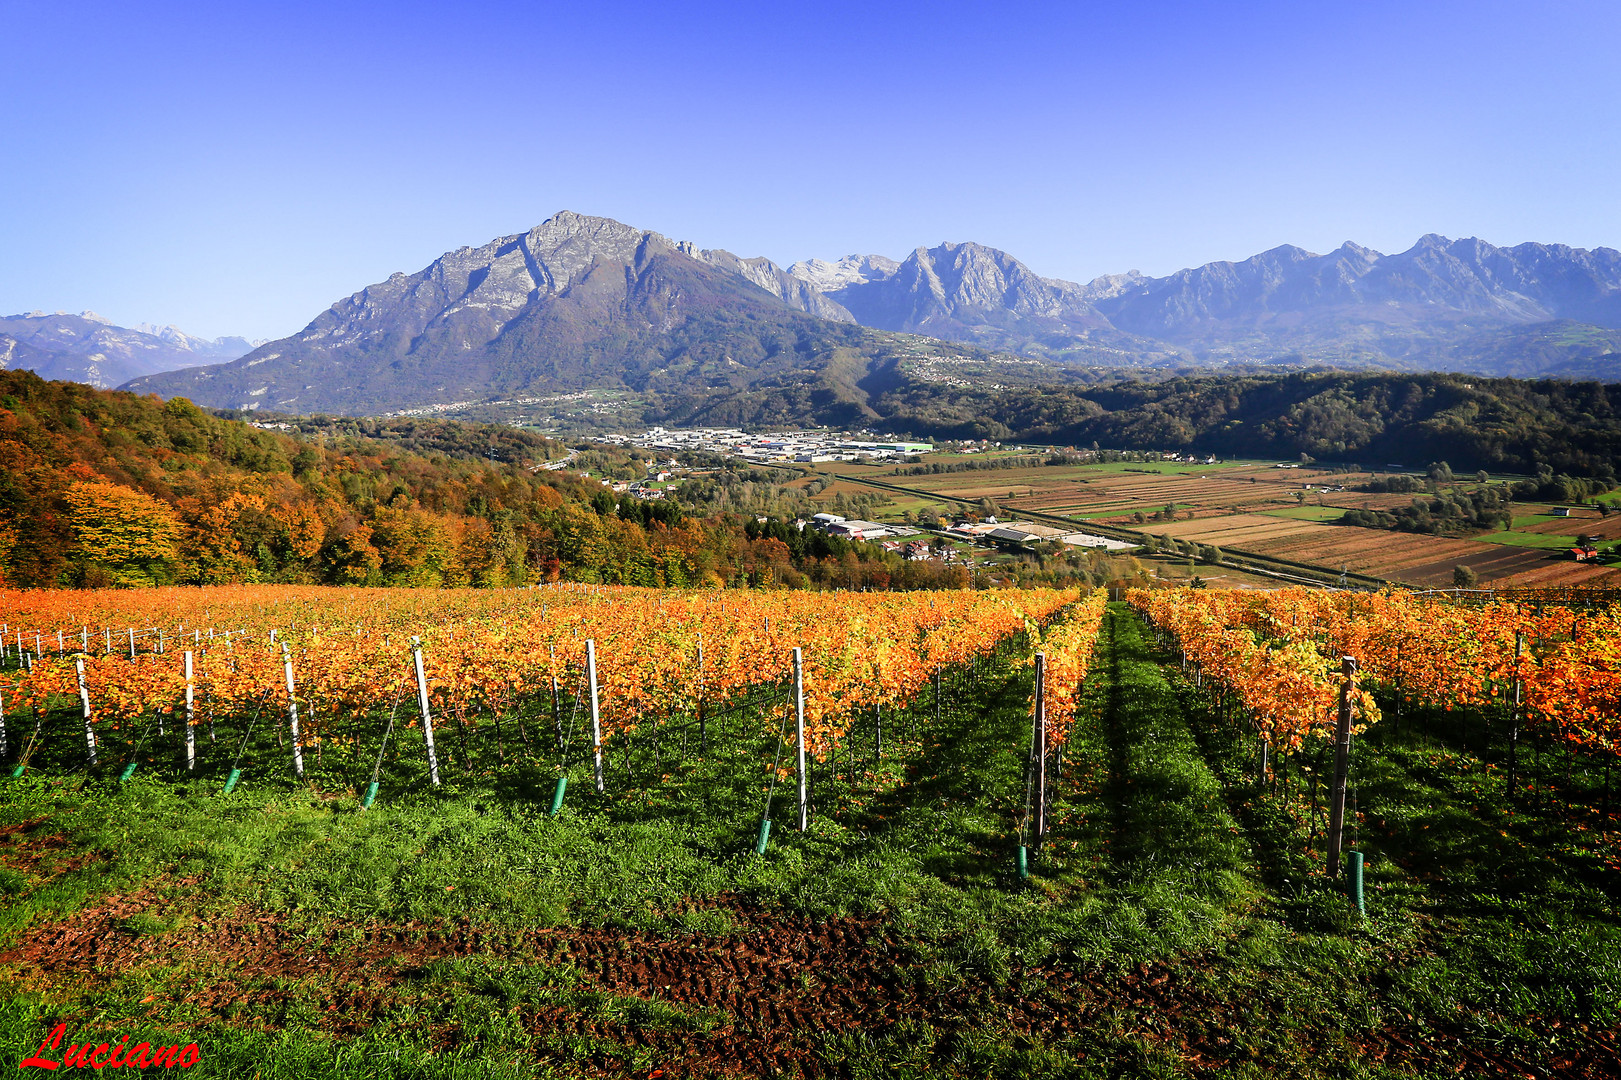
90 349
585 303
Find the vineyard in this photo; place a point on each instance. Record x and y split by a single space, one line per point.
575 674
580 830
1270 660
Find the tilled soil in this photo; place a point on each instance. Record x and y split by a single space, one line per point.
765 998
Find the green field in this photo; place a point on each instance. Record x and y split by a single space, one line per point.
1177 922
1524 539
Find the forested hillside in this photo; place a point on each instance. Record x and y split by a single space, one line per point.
1373 419
106 488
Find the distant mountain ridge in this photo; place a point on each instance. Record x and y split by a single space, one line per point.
1353 305
88 348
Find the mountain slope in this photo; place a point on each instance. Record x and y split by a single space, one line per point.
89 349
577 303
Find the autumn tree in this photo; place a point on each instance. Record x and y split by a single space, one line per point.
123 537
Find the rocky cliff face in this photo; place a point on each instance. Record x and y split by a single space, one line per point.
975 294
851 270
90 349
791 290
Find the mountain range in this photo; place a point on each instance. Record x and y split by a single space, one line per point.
1442 304
584 304
88 348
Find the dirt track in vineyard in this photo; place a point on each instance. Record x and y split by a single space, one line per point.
764 998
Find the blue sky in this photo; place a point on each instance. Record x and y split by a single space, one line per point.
237 168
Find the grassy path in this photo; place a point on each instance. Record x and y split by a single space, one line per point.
1174 876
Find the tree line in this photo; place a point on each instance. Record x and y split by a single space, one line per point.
1447 507
1374 419
105 488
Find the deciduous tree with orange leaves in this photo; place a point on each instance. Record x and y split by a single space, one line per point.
124 537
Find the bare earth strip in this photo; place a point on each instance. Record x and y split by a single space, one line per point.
1238 529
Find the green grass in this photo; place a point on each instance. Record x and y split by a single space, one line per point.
900 504
1177 921
1530 540
1523 520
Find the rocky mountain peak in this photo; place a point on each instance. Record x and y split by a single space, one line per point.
1101 288
829 277
577 301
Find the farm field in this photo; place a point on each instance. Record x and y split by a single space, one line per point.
1260 509
1582 520
1176 920
1418 560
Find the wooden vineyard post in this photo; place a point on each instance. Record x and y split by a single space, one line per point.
132 643
1342 766
191 730
1514 717
877 732
84 700
292 711
2 717
427 717
937 698
1038 748
799 728
596 714
557 717
703 726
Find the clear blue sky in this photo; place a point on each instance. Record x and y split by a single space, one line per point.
235 168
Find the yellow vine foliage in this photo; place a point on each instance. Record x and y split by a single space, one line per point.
659 653
1279 652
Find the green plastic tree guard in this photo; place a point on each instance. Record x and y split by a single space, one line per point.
764 837
1353 880
557 795
230 781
